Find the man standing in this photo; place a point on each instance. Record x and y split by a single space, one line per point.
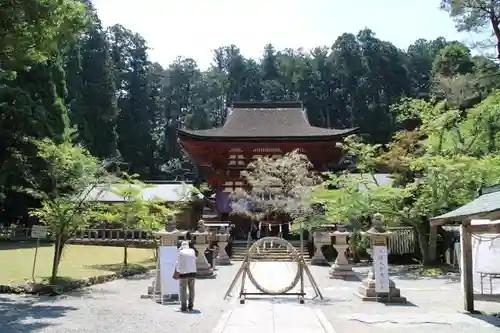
186 266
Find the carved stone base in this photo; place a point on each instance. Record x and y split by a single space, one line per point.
343 272
222 257
342 269
206 274
366 291
221 261
319 259
203 269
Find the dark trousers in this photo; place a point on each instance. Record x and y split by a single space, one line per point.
186 292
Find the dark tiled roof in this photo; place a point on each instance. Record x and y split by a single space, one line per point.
271 123
484 204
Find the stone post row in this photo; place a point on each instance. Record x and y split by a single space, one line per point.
320 238
203 269
341 269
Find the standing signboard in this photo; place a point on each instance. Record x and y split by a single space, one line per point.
381 269
37 231
167 258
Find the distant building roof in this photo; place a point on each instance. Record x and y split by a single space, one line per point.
482 206
269 120
168 192
368 181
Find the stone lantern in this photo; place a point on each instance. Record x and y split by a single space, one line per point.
201 236
222 240
321 238
168 237
378 286
341 269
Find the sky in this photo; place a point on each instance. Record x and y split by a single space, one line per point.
194 28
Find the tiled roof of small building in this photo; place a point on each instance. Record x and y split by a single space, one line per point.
479 207
167 192
271 121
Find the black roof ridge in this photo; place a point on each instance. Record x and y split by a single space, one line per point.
193 135
489 189
267 105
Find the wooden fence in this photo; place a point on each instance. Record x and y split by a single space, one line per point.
18 234
402 241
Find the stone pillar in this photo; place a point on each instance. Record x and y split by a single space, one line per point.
212 238
203 269
320 238
341 269
368 288
222 257
166 238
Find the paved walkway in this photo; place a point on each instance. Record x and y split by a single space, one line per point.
267 314
268 317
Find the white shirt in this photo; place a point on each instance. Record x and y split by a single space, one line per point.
186 261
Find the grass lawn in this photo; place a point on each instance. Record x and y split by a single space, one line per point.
78 261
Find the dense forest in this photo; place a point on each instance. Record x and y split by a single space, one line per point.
65 77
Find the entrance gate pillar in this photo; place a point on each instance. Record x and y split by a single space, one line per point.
378 286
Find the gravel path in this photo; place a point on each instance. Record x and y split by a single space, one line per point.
116 307
436 305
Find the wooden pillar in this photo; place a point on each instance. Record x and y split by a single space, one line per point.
433 243
467 266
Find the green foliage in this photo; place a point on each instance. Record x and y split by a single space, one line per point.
435 167
69 179
33 29
475 15
453 59
62 69
134 212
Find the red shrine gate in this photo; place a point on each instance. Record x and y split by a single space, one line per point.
254 129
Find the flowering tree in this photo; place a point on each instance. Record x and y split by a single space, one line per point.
277 187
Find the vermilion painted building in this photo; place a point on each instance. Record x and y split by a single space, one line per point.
255 129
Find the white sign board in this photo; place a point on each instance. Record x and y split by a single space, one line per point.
39 231
381 269
168 258
485 261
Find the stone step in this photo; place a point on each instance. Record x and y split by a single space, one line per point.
271 254
240 257
266 252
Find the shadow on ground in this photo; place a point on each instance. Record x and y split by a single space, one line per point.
119 267
492 320
408 304
416 276
16 245
416 272
28 314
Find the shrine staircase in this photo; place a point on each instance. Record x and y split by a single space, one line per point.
270 254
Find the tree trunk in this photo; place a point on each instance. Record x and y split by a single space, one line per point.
59 245
125 254
423 243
